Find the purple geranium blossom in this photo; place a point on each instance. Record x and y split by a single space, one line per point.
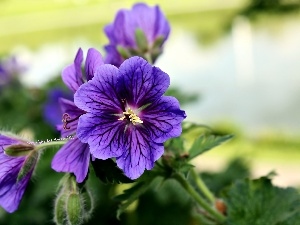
127 115
74 156
121 33
12 185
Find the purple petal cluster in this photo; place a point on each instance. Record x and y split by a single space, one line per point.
127 116
11 189
122 31
74 156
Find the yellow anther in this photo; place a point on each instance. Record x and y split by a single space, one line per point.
132 116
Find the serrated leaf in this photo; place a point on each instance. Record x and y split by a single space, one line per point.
258 202
205 143
108 172
130 195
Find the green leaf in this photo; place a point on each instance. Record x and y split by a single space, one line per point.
205 143
130 195
108 172
258 202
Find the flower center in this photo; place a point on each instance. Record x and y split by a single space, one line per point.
131 116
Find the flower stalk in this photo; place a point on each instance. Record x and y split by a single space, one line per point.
202 187
219 217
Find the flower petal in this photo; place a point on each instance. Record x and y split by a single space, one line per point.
93 61
72 74
100 93
74 112
73 157
140 153
140 82
11 191
104 133
163 119
112 56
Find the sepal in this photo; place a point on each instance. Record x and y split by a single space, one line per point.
19 149
28 164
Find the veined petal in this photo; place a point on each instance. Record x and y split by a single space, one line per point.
140 83
103 133
72 74
74 112
73 157
139 154
11 191
100 93
163 119
93 61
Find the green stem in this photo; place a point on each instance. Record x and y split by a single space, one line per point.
147 56
219 217
203 188
51 143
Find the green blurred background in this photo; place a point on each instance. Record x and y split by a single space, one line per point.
239 57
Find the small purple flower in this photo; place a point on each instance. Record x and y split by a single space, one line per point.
14 174
127 115
122 33
52 110
10 67
74 156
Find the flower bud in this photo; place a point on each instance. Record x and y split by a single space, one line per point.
74 209
59 210
74 204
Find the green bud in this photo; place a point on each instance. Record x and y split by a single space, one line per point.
74 209
28 164
123 52
60 214
141 40
88 203
19 149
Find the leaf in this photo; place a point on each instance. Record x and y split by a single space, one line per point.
175 145
130 195
205 143
258 202
108 172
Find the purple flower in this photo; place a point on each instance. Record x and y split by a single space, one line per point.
127 116
122 33
52 110
15 171
9 69
74 156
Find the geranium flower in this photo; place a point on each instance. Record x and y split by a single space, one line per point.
127 116
15 171
74 156
123 33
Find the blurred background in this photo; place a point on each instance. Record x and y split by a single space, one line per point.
234 64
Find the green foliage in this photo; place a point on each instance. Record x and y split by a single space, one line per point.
235 170
108 172
258 202
205 143
130 195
